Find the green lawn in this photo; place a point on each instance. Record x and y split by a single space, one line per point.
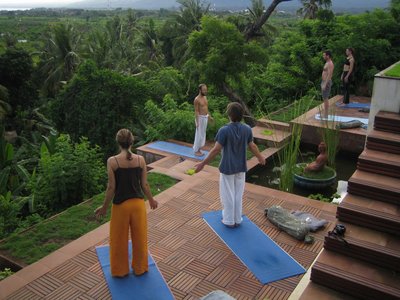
394 72
53 233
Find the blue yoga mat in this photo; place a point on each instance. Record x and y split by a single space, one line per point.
150 285
342 119
354 105
261 255
176 149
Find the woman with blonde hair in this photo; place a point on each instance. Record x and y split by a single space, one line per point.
127 182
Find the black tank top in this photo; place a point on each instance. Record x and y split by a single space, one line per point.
127 183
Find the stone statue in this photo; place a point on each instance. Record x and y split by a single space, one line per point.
320 162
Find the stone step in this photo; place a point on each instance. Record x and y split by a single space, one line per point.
387 121
374 214
366 244
355 277
379 162
383 141
375 186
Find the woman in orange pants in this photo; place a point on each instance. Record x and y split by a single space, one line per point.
127 181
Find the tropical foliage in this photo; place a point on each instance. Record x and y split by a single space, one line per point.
59 58
97 103
86 74
311 7
72 173
173 121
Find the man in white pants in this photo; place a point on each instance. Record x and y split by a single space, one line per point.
233 140
201 119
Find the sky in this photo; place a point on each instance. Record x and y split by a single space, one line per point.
32 3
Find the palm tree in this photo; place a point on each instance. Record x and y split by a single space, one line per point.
60 57
256 11
149 44
395 9
310 7
254 28
188 20
116 47
257 8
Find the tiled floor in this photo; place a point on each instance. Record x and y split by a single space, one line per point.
192 259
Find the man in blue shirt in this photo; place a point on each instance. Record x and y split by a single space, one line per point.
233 139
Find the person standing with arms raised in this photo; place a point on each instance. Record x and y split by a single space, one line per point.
233 140
201 119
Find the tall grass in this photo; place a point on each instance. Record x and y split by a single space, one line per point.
288 154
330 136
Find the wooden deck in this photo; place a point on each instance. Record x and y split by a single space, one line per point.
192 259
351 140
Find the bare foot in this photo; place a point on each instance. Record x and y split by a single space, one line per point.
229 226
198 153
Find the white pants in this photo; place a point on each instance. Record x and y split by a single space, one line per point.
200 136
231 188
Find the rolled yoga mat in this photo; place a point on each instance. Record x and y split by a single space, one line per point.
341 119
148 286
260 254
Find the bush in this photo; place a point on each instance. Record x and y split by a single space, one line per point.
99 102
9 210
74 172
174 121
5 273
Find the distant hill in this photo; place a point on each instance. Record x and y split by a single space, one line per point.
338 5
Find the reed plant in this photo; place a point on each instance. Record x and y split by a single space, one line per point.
288 154
330 136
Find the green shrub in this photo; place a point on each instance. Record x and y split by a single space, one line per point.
5 273
173 121
96 103
9 210
323 198
325 173
74 172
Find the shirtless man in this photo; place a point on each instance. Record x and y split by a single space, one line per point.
326 82
320 162
201 119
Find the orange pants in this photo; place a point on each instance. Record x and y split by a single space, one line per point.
130 214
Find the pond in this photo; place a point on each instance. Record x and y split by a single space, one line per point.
5 263
268 176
